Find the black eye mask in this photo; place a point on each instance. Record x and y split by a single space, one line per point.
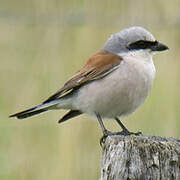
142 44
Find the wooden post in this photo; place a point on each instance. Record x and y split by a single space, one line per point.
140 158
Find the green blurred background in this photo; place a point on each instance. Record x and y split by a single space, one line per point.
43 43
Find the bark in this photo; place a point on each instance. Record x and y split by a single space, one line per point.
140 158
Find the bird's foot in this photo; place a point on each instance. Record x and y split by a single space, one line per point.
107 133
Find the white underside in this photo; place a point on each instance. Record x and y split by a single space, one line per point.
119 93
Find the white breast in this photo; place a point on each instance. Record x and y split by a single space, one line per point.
122 91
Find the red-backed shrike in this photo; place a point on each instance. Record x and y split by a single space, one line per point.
113 83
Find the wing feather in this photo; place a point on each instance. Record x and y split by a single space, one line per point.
97 66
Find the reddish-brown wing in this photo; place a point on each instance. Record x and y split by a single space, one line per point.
97 66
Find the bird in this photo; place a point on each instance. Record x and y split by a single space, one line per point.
113 83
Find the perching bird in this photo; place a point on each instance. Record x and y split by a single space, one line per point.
113 83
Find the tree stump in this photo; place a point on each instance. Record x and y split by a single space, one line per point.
140 158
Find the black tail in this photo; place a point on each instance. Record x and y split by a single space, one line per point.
28 113
69 115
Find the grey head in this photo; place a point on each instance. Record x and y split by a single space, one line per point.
132 38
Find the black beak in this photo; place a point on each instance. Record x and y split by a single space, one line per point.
159 47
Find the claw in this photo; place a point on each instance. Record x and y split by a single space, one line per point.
109 133
127 133
106 133
102 140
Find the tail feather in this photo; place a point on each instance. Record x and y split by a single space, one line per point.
28 113
33 111
69 115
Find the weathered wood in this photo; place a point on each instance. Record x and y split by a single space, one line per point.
140 158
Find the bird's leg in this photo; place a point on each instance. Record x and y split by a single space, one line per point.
104 130
106 133
125 131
